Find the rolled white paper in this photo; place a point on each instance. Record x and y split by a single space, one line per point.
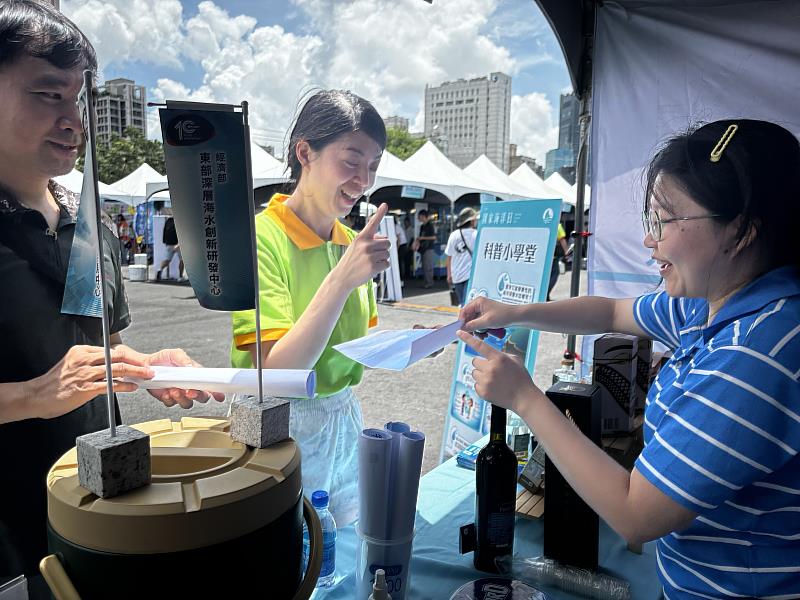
286 383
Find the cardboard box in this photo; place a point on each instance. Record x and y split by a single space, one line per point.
614 370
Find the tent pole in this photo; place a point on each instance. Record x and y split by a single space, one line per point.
577 252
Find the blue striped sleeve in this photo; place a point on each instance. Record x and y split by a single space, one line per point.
733 421
661 317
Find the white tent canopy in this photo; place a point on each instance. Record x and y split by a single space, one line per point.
267 169
558 183
485 171
73 181
434 169
526 176
142 182
394 172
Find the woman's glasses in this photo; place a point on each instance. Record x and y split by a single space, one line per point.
654 224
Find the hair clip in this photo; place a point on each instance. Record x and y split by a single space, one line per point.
723 142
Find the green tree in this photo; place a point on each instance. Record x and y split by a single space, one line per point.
401 143
125 154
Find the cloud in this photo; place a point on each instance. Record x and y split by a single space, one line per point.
125 30
384 50
532 125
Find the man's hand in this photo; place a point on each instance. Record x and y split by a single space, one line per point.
79 377
175 357
499 377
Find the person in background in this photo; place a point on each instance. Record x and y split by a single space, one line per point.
408 226
127 238
316 285
52 373
561 250
170 239
459 250
717 481
402 250
425 244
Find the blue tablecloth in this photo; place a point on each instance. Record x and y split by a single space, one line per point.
447 501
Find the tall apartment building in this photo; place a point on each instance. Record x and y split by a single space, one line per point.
120 104
400 123
467 118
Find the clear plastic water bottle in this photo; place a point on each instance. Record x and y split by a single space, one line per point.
319 500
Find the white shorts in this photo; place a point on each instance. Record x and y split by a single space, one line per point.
172 250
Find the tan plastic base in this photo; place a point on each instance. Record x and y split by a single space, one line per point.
205 489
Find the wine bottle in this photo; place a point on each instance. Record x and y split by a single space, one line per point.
495 496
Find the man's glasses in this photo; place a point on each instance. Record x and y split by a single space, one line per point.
654 224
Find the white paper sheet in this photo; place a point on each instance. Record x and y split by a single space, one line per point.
288 383
397 349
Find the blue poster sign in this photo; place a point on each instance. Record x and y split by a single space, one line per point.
205 149
512 259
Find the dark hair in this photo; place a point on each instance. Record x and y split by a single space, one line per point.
756 177
39 30
327 115
422 212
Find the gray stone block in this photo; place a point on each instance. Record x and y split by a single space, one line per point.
259 424
109 466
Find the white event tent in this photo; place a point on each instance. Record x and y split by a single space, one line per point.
524 175
140 184
267 169
432 168
558 183
484 170
393 171
73 181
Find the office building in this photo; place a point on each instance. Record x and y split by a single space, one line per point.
515 160
560 160
467 118
569 129
400 123
120 104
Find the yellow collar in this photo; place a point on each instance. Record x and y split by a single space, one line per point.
301 234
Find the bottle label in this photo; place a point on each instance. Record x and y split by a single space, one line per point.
328 556
500 526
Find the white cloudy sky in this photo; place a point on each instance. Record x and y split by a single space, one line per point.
270 52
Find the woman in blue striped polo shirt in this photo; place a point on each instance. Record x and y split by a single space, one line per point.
718 482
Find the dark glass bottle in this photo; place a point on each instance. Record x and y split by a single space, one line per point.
495 496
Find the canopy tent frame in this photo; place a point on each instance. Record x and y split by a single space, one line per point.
577 44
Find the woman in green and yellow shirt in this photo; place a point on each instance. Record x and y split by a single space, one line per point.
315 277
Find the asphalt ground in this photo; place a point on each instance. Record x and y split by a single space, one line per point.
167 315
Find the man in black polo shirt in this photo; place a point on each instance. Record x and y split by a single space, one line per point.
52 371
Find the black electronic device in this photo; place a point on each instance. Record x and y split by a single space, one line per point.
571 527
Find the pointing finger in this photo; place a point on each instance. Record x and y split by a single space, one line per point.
479 346
372 226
